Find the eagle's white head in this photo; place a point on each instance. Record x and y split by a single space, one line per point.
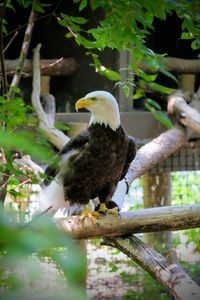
104 108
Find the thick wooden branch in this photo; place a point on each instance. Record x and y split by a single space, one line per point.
145 220
48 67
155 151
67 66
171 275
178 65
187 115
46 119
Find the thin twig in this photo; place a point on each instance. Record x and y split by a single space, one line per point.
35 218
4 78
10 42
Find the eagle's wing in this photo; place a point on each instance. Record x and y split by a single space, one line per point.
73 145
52 196
118 197
130 155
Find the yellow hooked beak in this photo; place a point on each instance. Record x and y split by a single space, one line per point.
83 103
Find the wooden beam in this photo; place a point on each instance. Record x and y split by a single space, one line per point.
48 67
132 121
67 66
178 65
144 220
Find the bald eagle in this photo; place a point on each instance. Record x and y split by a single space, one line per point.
92 163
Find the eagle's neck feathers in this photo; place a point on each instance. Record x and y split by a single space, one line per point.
107 115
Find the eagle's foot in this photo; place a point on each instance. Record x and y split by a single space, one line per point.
113 211
103 210
90 214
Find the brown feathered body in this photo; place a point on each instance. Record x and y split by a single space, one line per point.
92 163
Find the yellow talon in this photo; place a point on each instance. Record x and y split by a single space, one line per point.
90 214
113 211
102 208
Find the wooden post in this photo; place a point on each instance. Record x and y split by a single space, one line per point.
187 83
157 192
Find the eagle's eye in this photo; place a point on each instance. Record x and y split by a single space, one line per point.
94 98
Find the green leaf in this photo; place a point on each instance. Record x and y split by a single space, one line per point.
162 118
26 142
147 77
61 126
79 20
15 89
153 103
126 89
82 5
138 94
168 74
161 88
110 74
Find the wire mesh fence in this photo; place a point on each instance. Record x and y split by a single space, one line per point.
111 275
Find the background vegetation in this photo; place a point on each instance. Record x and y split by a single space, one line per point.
125 25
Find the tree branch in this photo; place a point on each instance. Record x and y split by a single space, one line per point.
172 276
4 78
155 151
46 119
23 53
10 43
140 221
186 114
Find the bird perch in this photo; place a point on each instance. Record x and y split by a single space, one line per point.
140 221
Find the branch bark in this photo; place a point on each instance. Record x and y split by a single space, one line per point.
155 151
46 119
23 53
145 220
172 276
187 115
48 67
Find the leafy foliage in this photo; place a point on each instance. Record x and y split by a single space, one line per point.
19 247
127 25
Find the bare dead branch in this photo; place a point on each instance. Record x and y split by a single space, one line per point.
46 119
155 151
23 53
144 220
10 43
187 115
172 276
